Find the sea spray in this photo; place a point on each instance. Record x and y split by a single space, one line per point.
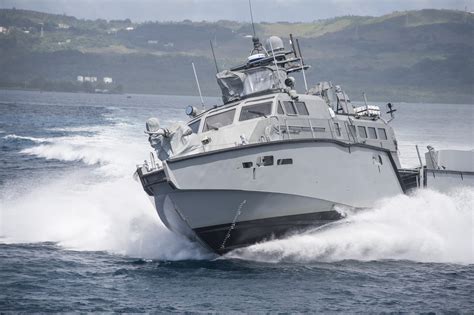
113 215
98 208
427 226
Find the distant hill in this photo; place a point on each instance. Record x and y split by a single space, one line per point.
422 55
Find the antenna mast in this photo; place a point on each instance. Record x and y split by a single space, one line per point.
214 56
251 18
302 65
275 62
197 82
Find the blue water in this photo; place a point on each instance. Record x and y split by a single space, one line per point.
77 233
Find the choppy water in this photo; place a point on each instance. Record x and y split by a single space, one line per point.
77 233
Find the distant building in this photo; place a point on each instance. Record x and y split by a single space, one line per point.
108 80
3 30
90 79
80 78
129 28
63 26
170 44
152 42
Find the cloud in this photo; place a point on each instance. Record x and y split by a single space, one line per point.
212 10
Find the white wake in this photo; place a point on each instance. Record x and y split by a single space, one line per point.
427 227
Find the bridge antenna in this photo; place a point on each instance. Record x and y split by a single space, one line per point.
198 86
251 18
214 56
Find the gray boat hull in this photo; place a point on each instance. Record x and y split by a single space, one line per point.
243 217
213 199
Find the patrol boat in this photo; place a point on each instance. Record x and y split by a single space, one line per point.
270 160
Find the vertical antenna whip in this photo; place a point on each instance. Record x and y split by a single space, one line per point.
275 61
365 101
251 18
302 65
292 42
214 56
197 82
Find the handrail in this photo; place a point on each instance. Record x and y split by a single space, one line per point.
296 128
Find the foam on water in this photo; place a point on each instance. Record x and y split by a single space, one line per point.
100 210
428 227
32 139
113 215
115 149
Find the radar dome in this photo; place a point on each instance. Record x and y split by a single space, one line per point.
274 42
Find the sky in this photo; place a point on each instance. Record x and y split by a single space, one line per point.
236 10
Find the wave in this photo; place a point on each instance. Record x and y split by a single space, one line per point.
115 150
427 226
33 139
113 216
102 209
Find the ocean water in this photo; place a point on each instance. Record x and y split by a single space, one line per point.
77 233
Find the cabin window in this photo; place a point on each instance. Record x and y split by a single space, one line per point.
284 161
219 120
372 133
301 108
362 131
255 111
247 164
280 109
195 126
266 160
382 133
289 108
352 130
337 129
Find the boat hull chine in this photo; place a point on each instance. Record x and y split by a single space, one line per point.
226 237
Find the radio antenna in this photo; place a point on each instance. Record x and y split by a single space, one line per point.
292 42
251 18
302 65
198 86
214 56
275 62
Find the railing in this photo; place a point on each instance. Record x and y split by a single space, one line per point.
277 128
287 128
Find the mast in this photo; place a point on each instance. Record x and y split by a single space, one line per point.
198 86
302 65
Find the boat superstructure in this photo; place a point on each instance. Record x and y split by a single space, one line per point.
270 160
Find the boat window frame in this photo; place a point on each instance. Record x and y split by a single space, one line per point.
292 106
337 129
304 106
374 135
285 161
383 135
282 109
352 130
204 129
363 136
267 114
198 122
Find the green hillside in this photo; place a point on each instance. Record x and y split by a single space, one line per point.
422 55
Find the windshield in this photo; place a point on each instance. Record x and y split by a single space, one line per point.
258 81
236 84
